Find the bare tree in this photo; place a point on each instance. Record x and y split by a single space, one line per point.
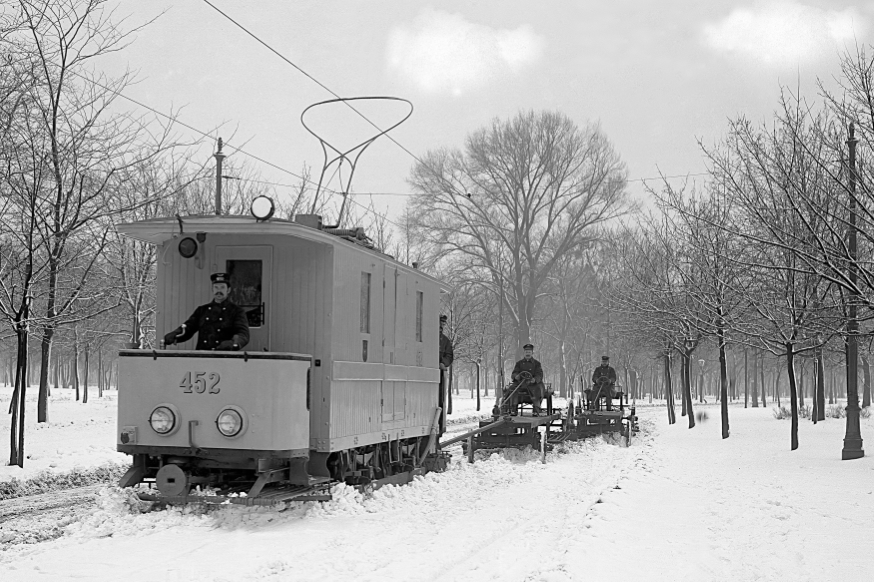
787 200
78 147
530 189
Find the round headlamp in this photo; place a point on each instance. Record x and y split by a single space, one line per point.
262 207
162 420
229 422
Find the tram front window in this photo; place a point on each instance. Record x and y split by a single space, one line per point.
246 288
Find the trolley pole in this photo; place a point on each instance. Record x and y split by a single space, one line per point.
853 438
219 156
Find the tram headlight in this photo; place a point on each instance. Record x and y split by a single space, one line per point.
262 208
162 420
230 422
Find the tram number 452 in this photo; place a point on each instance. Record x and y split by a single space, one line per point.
200 382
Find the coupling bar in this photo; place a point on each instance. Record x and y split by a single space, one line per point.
475 431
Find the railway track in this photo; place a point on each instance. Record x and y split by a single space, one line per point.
37 518
63 498
42 517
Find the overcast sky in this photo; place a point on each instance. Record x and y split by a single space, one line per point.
657 76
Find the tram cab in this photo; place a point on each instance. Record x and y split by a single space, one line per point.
343 353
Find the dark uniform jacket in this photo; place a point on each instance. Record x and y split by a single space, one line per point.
604 371
532 366
447 355
215 323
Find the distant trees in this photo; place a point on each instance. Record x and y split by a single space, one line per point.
522 195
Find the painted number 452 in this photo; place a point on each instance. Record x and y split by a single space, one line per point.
200 382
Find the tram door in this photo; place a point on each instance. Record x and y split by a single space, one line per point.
393 386
250 269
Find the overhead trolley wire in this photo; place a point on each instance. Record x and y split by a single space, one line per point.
202 133
314 80
359 113
226 144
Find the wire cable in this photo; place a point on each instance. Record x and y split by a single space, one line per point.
202 133
313 79
350 106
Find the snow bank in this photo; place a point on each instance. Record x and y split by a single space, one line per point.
677 505
77 435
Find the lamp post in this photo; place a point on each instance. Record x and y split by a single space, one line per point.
853 437
478 362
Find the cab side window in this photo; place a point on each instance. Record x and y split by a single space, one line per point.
420 302
365 302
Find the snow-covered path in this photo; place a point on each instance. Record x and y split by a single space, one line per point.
745 508
678 505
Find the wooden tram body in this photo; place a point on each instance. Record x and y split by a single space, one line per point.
338 382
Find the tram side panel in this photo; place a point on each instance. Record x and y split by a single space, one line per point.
383 375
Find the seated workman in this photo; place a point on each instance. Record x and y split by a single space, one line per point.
527 385
603 383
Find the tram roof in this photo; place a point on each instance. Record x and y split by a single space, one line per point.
160 230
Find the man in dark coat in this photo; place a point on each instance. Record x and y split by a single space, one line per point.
603 382
219 325
447 356
527 383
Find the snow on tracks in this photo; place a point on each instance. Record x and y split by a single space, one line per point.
493 520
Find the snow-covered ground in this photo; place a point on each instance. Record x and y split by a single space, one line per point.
76 436
678 504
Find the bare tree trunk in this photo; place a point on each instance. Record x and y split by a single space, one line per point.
793 396
831 389
777 387
75 371
100 373
683 381
801 385
56 370
866 391
42 404
746 380
669 392
723 383
820 388
754 392
687 389
763 385
85 376
817 374
16 432
486 374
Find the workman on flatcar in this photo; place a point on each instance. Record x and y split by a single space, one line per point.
527 383
220 324
603 382
447 356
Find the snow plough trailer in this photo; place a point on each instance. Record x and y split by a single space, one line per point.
522 428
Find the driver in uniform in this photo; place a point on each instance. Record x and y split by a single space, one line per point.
603 382
219 324
527 377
